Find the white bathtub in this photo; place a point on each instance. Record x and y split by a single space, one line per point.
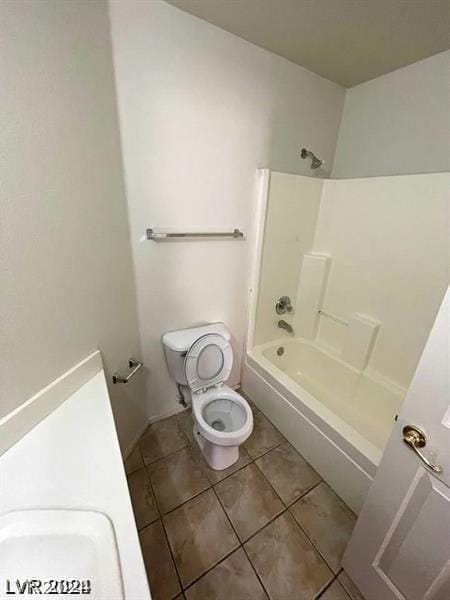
337 417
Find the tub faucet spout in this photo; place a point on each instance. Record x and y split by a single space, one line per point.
285 325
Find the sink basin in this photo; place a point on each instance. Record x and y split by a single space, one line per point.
55 547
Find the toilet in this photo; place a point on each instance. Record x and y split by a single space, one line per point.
200 359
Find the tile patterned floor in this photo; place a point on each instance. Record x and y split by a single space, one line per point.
267 528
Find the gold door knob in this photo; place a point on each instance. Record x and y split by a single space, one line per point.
415 438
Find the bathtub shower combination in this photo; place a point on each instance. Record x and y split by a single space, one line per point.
345 289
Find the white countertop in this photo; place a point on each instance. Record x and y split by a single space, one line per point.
72 460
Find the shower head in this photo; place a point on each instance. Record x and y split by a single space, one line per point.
315 162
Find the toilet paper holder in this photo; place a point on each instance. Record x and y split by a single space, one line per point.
135 366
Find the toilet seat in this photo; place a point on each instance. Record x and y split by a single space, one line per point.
200 403
208 362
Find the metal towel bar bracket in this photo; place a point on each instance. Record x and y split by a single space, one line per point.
134 365
151 234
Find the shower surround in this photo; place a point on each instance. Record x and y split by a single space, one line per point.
365 282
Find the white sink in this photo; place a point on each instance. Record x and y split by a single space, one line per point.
62 545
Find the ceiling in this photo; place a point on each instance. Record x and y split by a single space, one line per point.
347 41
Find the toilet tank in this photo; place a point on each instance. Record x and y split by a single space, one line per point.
177 343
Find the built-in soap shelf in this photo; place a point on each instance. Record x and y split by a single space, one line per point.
361 331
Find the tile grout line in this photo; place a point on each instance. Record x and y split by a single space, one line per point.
150 465
216 564
269 483
342 585
269 522
291 504
165 533
157 460
133 471
269 450
163 514
183 503
139 529
172 557
288 506
327 587
241 544
274 518
285 509
252 461
190 444
314 545
211 486
256 572
272 488
160 518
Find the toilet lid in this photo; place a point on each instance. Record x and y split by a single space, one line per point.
208 361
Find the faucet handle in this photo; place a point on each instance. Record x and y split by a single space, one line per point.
283 305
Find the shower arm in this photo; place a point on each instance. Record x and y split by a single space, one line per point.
315 162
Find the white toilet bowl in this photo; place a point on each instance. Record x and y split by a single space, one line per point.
223 420
201 358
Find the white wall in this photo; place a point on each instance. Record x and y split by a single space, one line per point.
398 123
67 274
200 111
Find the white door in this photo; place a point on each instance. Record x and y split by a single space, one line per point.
400 547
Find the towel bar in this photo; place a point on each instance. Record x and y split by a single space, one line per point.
151 234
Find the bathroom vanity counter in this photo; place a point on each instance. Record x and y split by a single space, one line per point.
72 460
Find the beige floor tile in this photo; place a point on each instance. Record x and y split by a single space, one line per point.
161 439
216 476
200 536
186 424
286 562
161 573
177 478
350 587
249 500
232 579
264 436
327 521
144 505
335 592
289 474
134 461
